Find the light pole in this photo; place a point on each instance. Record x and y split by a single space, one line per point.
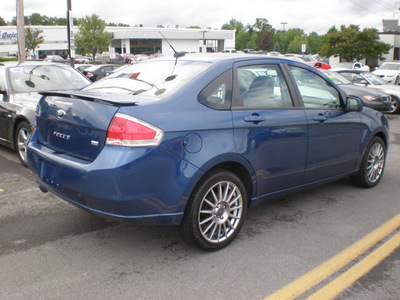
20 31
71 44
283 38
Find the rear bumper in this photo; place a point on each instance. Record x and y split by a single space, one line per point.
137 185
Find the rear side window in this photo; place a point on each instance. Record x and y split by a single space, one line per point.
218 93
315 91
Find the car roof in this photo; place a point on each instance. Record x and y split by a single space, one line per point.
11 63
352 71
40 63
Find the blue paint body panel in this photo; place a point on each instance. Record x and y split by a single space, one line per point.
287 151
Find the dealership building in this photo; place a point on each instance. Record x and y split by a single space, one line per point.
135 40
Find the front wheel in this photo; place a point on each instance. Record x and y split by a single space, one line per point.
216 211
394 105
373 164
21 141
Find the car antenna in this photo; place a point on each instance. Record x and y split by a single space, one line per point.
176 54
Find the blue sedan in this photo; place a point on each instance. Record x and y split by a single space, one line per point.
196 140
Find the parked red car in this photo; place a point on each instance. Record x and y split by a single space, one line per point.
319 65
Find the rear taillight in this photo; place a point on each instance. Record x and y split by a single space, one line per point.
88 74
125 130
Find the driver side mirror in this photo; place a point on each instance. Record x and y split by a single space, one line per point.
2 91
353 104
364 82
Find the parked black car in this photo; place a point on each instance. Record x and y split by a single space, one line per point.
373 81
374 99
99 71
20 87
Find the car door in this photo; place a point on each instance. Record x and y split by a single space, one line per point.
334 135
5 119
270 129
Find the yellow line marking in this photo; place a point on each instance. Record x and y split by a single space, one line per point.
326 269
357 271
1 190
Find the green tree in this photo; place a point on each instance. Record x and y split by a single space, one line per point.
243 40
352 44
262 25
295 45
32 38
233 25
2 22
314 42
92 37
112 24
36 19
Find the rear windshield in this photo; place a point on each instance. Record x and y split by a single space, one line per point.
151 78
39 78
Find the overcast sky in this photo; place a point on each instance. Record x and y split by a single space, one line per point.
310 15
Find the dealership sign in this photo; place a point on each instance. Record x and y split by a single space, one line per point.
8 35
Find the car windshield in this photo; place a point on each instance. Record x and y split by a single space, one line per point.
347 65
337 78
389 66
374 79
151 78
39 78
308 58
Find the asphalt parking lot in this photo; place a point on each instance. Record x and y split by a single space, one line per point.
52 250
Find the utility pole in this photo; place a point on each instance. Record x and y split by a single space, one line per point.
71 40
283 42
204 47
21 31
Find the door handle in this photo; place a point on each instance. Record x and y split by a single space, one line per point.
255 118
320 118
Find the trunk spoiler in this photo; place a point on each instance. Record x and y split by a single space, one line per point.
108 99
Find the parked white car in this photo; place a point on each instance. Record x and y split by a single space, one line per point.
389 71
351 66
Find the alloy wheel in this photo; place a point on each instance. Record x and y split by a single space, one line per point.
22 142
220 212
375 162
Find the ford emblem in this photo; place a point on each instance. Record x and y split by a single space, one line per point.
61 113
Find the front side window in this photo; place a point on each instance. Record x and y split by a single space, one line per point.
315 91
263 87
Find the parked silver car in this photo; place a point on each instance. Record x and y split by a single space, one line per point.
20 87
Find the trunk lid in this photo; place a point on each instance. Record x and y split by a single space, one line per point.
75 123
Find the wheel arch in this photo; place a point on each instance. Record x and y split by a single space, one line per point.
238 166
18 120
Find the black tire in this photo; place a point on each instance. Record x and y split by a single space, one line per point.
216 211
394 105
21 138
373 164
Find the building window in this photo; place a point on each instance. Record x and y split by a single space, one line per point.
396 53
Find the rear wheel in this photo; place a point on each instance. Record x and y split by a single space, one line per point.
373 164
21 141
216 211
